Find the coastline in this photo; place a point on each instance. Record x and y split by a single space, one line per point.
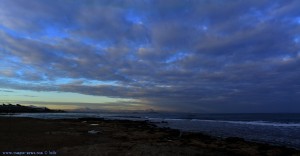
94 136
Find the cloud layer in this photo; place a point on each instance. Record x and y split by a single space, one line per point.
201 56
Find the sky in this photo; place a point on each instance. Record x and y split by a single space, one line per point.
201 56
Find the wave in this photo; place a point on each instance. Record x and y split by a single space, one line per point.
157 119
257 123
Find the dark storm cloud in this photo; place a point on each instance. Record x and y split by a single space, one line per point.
211 56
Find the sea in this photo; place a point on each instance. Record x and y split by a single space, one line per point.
275 129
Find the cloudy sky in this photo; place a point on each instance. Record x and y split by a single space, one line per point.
213 56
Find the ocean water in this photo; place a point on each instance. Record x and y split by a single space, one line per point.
277 129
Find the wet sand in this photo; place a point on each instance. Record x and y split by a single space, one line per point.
70 137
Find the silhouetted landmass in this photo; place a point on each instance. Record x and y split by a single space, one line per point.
10 108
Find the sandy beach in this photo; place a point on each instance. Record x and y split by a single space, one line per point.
93 137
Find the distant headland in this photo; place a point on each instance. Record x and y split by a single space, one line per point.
17 108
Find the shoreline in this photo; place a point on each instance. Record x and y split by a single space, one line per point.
98 136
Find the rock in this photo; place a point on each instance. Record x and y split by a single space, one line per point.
234 139
94 124
94 132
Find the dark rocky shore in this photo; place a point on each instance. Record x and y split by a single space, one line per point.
93 137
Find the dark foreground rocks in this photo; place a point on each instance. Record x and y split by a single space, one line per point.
93 137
